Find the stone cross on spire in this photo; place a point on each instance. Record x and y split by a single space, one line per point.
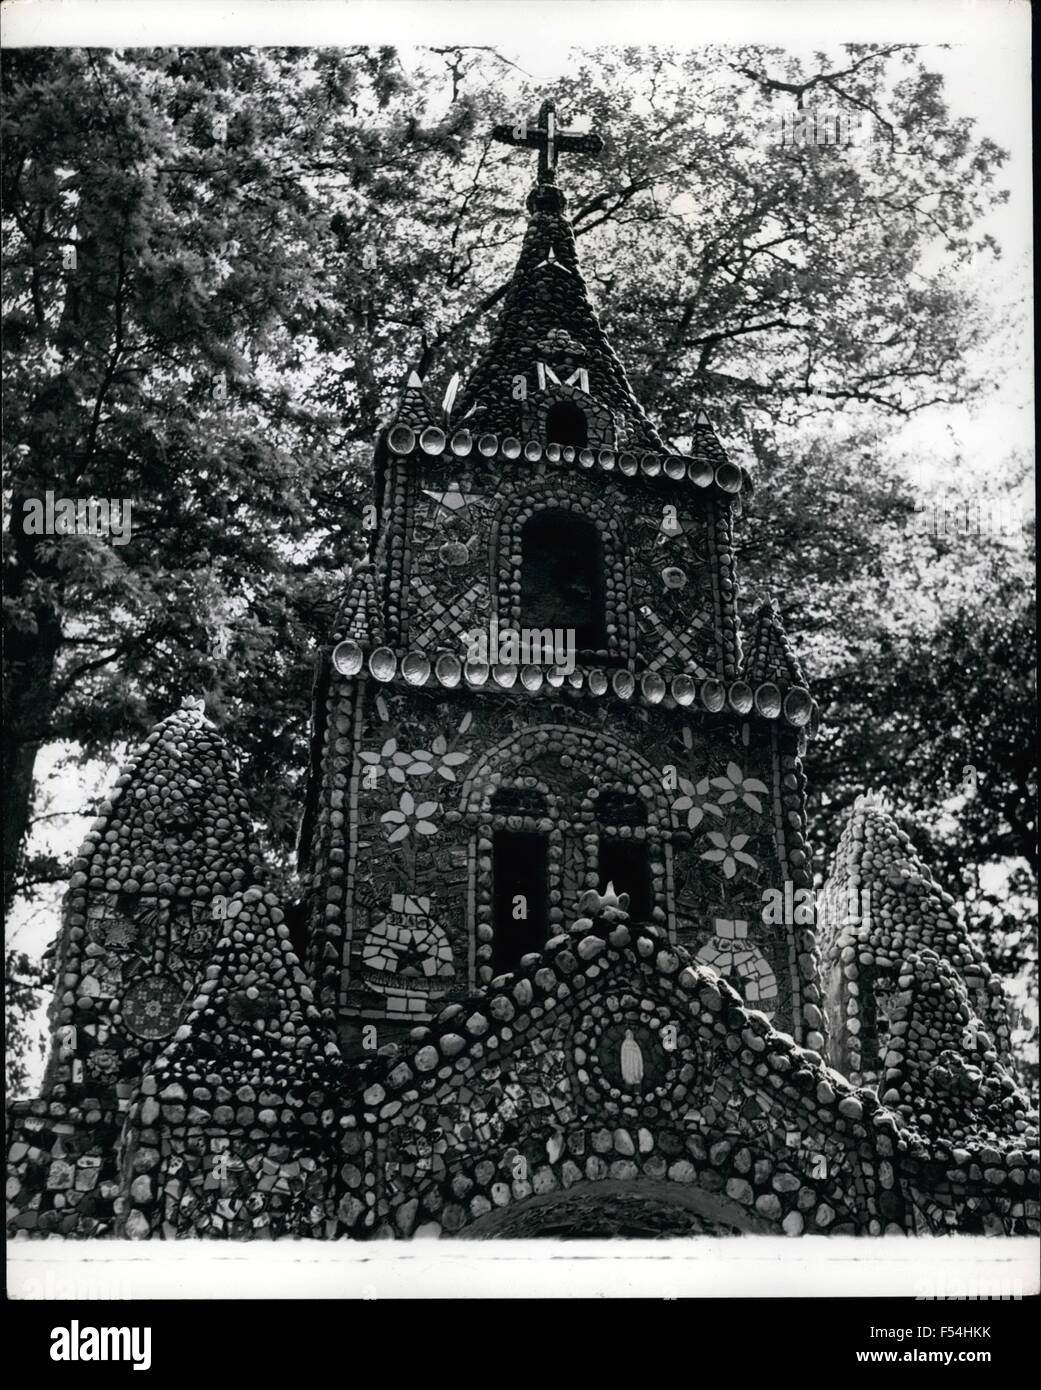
548 138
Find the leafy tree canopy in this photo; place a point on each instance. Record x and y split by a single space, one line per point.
221 263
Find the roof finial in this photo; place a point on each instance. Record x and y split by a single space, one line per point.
547 137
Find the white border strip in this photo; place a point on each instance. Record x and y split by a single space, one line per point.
701 1267
566 23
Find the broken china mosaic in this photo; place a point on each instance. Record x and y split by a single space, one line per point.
427 804
657 557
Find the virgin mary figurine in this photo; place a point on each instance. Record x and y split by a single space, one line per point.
632 1060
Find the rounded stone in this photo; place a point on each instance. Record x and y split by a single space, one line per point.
793 1224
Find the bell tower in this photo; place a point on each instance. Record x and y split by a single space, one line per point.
536 685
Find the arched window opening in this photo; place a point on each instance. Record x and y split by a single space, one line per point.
566 424
562 584
520 887
626 865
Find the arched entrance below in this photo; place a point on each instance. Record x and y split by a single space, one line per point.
643 1210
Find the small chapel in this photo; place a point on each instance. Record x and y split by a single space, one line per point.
531 987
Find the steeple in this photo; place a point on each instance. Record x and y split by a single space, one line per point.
549 357
544 571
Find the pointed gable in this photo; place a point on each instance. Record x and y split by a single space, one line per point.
609 1062
414 409
360 618
768 652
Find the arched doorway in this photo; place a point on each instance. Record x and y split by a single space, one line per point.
642 1210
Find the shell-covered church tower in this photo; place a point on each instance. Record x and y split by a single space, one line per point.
555 968
537 686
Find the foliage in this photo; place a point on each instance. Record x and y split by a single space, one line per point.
299 227
22 985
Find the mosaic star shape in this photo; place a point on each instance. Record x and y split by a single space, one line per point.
453 498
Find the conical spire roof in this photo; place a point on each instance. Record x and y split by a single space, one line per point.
547 317
360 617
882 902
548 331
768 653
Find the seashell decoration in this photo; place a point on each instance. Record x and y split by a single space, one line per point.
700 473
348 658
416 668
713 695
432 440
401 439
449 670
453 553
768 700
623 684
728 477
740 697
383 664
683 690
798 706
653 688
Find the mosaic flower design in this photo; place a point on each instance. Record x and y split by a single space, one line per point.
728 851
420 762
736 786
693 802
198 939
103 1062
397 762
439 760
410 818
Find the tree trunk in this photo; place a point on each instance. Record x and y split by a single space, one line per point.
32 642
